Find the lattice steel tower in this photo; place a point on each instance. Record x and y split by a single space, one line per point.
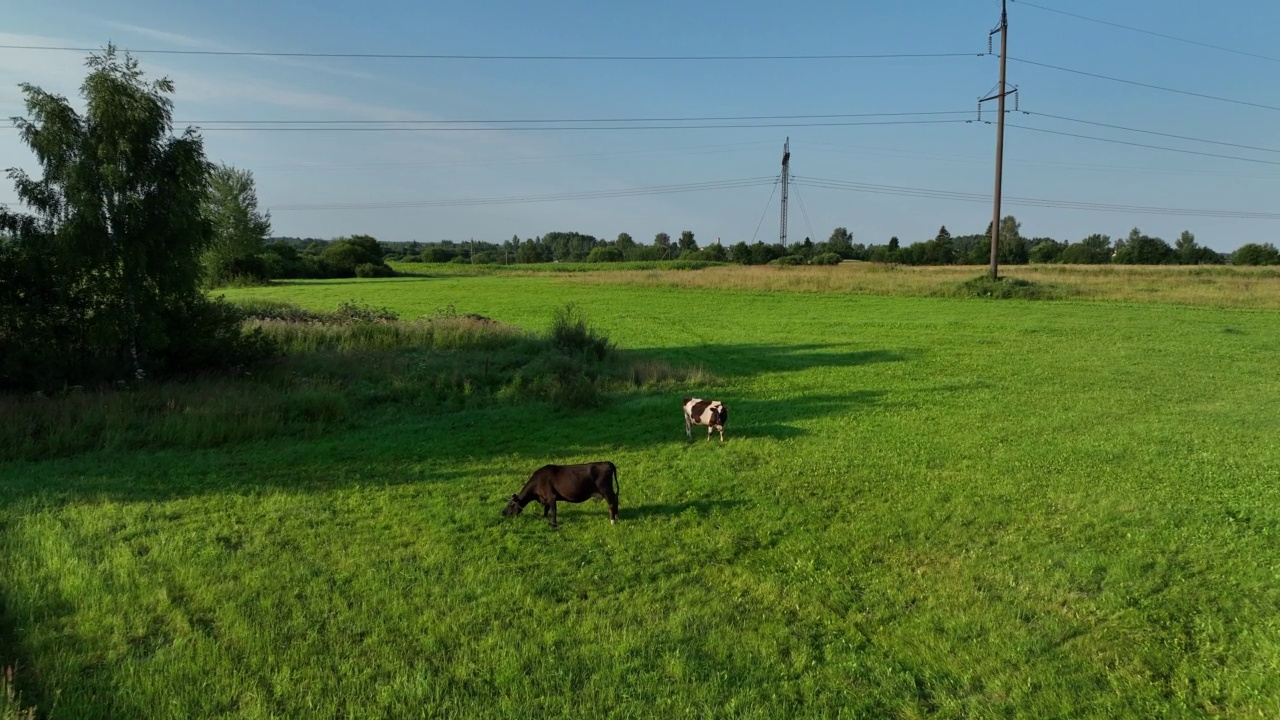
786 175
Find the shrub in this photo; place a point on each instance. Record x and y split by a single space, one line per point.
352 312
572 335
788 260
1003 288
826 259
605 254
369 270
52 334
204 334
279 310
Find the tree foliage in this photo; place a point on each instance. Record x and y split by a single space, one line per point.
687 243
1093 250
1141 249
240 230
102 281
1256 254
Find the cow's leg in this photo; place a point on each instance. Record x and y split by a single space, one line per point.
611 497
721 429
709 431
688 428
552 508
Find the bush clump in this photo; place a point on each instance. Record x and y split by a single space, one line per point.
788 260
826 259
1004 289
571 333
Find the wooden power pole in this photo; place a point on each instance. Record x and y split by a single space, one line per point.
1001 93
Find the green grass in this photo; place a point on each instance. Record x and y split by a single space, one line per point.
468 269
926 507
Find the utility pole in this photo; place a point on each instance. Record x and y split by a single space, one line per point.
1001 93
786 173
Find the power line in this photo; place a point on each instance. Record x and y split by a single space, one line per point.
1153 132
505 200
1028 162
1144 145
767 203
425 56
1034 202
1146 85
573 120
656 152
719 126
804 212
1149 32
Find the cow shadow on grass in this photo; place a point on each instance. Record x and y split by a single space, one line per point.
670 510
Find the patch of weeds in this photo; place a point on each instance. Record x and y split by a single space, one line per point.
571 334
1005 288
786 260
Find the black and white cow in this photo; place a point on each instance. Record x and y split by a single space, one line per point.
712 413
570 483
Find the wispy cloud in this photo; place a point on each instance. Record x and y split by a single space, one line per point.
170 38
218 91
195 43
20 66
35 67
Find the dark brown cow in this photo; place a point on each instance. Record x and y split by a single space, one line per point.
570 483
712 413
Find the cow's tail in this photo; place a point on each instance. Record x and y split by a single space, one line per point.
617 484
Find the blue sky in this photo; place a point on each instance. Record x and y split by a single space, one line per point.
355 168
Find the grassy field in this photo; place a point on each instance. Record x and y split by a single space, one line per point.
1209 285
926 507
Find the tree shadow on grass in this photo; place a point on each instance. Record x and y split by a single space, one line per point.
329 282
395 444
737 361
417 448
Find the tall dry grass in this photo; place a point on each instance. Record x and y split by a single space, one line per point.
1187 285
11 705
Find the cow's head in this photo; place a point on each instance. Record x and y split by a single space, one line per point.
513 506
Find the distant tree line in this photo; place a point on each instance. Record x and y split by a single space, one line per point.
1016 249
1137 248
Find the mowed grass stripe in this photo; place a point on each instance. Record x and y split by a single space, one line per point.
925 507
